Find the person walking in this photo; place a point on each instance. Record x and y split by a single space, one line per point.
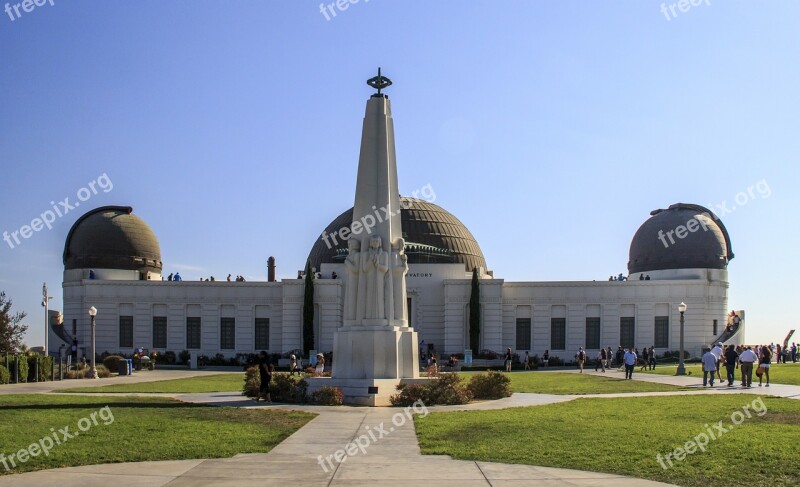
652 356
630 362
717 352
609 356
731 358
293 365
601 360
527 361
763 364
794 352
546 358
709 367
320 364
620 358
508 360
581 357
265 374
746 360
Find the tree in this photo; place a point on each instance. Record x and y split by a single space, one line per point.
11 328
475 313
308 310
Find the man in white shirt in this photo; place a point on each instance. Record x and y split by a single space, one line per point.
717 352
630 361
709 367
747 358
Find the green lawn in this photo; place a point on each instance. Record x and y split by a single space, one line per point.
624 435
537 382
569 383
207 383
778 373
138 429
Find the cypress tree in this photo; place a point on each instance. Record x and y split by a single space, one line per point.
475 313
308 310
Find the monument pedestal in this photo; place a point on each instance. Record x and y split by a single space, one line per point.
370 361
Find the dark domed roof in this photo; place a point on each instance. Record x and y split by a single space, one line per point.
112 237
658 245
432 234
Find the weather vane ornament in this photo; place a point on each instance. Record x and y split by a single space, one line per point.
379 82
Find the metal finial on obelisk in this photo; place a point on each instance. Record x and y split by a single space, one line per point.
379 82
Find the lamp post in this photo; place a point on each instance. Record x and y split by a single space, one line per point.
93 371
46 302
681 368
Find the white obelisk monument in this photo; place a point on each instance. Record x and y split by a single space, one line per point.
375 349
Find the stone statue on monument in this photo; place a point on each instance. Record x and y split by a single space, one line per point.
399 271
352 266
375 265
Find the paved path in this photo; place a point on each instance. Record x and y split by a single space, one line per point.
394 458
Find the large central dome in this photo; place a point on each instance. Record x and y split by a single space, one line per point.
432 234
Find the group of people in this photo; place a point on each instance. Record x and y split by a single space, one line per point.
175 277
737 357
785 353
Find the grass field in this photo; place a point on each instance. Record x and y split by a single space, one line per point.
134 430
206 383
538 382
778 373
570 383
623 436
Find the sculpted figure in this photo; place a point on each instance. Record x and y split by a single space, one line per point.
375 264
399 271
352 266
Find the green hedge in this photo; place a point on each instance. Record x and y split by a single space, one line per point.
5 376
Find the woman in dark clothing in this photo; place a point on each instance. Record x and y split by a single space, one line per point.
265 374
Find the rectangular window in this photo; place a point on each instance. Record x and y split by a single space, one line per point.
715 328
227 334
592 333
662 332
523 333
558 334
159 332
193 333
627 332
126 332
262 333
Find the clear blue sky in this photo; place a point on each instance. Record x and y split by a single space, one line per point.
551 129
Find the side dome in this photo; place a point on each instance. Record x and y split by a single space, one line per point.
684 236
112 237
432 234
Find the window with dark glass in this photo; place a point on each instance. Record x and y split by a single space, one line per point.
193 333
592 333
126 331
662 332
523 333
558 334
227 334
159 332
627 332
262 333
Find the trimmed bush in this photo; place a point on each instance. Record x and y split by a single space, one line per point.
183 357
23 369
493 385
112 362
102 371
327 396
252 382
5 375
447 388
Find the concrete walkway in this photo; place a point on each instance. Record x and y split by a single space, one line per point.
392 458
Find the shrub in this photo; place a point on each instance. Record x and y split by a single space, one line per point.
5 375
327 396
445 389
23 368
102 371
493 385
487 355
112 362
184 356
286 388
555 361
252 382
45 368
76 374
